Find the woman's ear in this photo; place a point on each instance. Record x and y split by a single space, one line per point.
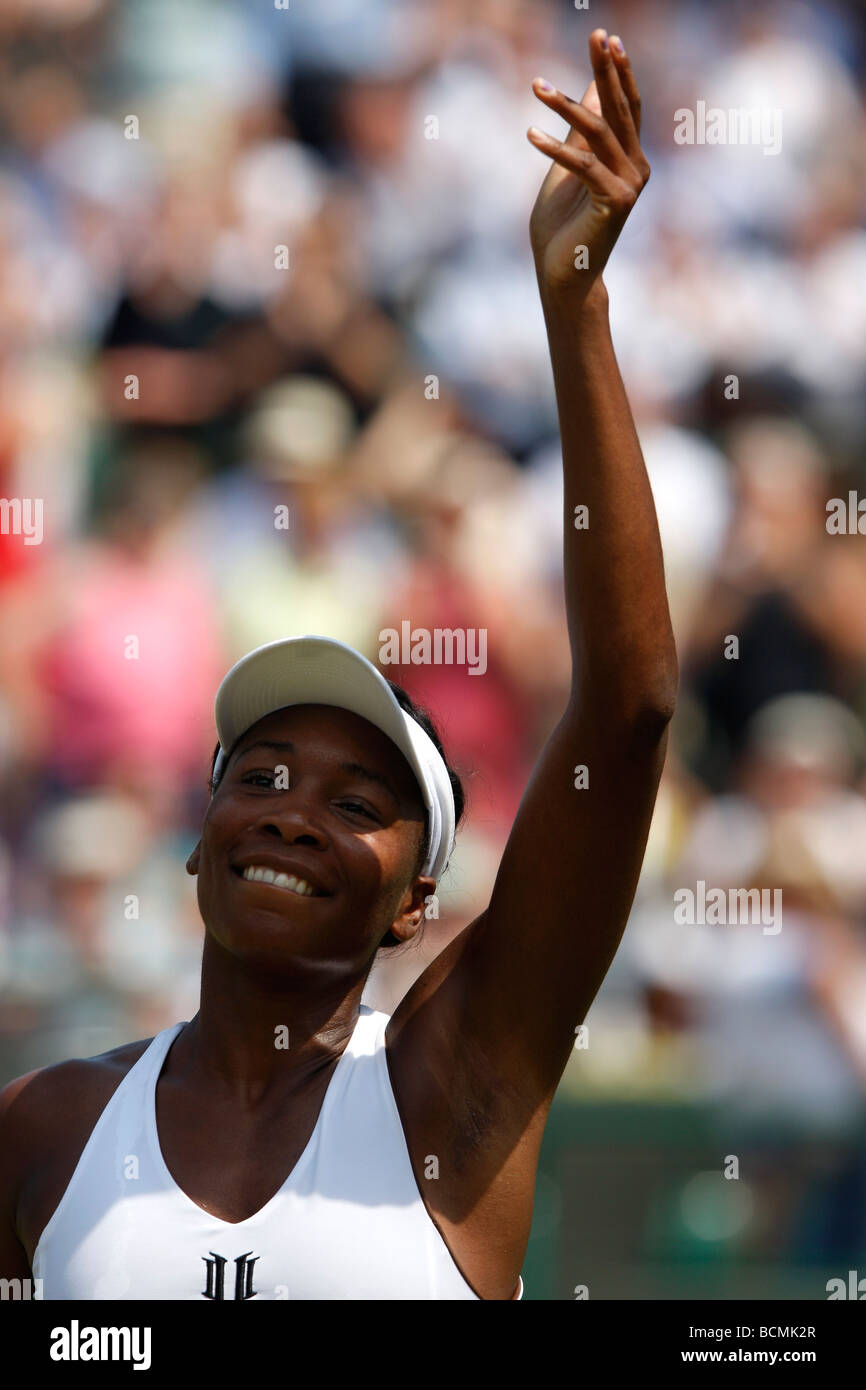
414 908
192 862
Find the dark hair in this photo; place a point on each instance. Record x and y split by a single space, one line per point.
422 717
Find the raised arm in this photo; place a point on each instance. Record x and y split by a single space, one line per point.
523 975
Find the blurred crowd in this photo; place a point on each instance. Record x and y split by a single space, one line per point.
272 355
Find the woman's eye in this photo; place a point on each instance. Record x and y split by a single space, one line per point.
260 779
356 808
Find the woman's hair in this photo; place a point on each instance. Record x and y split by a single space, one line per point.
422 717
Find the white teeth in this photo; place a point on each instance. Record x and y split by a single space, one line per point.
259 874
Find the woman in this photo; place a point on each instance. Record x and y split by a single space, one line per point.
289 1141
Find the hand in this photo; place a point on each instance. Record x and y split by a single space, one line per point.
597 174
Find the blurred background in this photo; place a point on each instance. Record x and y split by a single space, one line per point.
255 258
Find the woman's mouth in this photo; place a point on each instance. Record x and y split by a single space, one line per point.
257 873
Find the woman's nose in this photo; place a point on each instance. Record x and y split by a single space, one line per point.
294 822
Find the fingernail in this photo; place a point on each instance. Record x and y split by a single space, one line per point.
543 85
616 44
603 39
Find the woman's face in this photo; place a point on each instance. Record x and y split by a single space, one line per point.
320 795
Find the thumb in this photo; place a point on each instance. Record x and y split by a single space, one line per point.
590 100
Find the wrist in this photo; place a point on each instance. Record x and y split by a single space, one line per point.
572 298
567 311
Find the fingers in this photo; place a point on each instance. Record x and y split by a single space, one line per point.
586 165
612 133
596 131
615 106
627 79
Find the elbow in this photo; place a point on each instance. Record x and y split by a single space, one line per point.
653 711
651 705
634 704
636 720
654 716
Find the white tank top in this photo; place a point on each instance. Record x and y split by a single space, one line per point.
348 1223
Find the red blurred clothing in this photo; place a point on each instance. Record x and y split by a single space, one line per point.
131 669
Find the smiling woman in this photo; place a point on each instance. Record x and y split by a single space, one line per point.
289 1141
334 762
422 718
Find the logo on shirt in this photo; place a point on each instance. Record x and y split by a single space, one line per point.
216 1276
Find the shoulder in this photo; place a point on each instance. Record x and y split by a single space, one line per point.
56 1081
60 1099
46 1117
